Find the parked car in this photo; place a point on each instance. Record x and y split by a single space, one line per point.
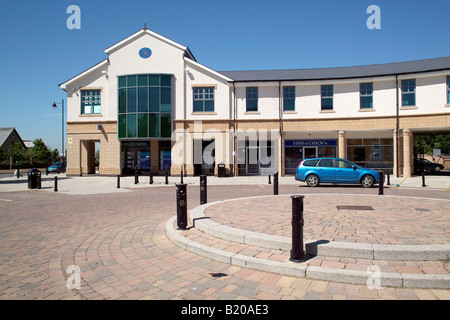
57 167
427 165
334 170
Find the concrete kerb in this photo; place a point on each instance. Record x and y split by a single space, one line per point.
432 252
302 270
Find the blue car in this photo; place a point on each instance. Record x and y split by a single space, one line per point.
334 170
57 167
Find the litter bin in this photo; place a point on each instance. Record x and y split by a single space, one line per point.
34 179
221 170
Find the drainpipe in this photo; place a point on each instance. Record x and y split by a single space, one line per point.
280 114
234 132
397 124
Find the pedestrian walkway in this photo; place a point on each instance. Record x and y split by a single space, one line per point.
404 240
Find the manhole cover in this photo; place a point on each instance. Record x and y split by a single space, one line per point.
354 207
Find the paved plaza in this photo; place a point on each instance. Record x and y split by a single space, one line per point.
125 243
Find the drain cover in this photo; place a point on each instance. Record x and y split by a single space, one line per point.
355 208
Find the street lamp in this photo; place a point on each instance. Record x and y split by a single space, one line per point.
54 106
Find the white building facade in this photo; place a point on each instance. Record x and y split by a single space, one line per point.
151 106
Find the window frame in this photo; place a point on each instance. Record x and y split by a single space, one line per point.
408 87
363 95
448 89
289 98
325 88
203 96
251 95
92 95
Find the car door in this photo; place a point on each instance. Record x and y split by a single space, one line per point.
346 172
326 170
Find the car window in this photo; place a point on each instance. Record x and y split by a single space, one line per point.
326 163
310 163
343 164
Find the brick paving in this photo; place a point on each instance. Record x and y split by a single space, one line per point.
118 241
394 220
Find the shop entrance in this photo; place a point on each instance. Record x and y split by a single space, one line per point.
310 152
135 155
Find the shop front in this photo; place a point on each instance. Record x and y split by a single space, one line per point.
297 150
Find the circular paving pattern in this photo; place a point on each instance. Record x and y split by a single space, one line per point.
333 217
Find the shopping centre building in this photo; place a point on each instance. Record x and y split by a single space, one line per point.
150 105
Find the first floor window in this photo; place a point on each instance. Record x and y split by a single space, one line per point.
90 102
252 99
366 95
408 92
327 97
204 99
448 89
289 99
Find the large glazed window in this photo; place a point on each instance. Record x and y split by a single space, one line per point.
145 105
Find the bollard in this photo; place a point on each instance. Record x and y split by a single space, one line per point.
270 180
388 179
18 173
167 176
151 176
181 206
380 183
181 175
56 184
118 181
46 171
136 176
423 179
275 184
203 190
297 251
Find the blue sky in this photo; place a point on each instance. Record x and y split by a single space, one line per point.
38 51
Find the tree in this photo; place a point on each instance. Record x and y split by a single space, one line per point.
18 152
426 144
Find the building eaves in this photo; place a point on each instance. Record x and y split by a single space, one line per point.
353 72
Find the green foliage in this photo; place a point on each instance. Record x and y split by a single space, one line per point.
40 152
428 143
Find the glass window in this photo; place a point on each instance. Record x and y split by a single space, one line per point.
144 106
166 125
448 89
203 99
288 98
310 163
366 95
143 125
326 163
131 126
343 164
408 92
252 99
90 102
327 97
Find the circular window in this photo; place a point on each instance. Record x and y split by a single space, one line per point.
145 53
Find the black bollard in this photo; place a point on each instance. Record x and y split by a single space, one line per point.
203 190
423 179
270 180
18 173
275 184
388 179
118 181
136 176
56 184
167 176
380 183
151 176
181 175
297 251
181 206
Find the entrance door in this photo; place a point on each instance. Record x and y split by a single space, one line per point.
252 160
310 152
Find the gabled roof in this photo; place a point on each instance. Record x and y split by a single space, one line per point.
4 135
144 30
110 49
376 70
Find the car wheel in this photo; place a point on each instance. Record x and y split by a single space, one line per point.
312 180
367 181
437 169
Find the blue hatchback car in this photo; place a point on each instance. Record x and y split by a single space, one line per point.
334 170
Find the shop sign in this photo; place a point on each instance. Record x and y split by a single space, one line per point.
136 144
309 143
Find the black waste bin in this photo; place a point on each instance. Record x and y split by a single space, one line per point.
34 179
221 170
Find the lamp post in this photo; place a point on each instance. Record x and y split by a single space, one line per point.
54 106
